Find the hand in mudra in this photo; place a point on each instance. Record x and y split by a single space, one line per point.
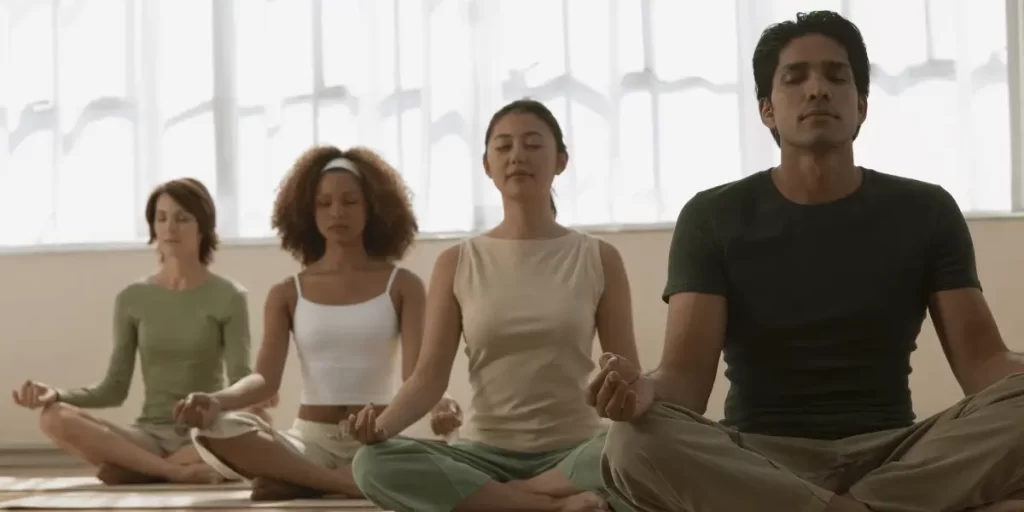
197 410
446 417
33 395
619 392
363 426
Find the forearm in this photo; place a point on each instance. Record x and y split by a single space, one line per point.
680 388
991 370
250 390
417 397
106 394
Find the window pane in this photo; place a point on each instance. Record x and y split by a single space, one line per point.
186 55
289 56
252 73
337 126
288 140
26 191
678 24
446 208
410 44
189 151
899 27
589 42
96 186
631 36
635 199
591 151
93 57
451 62
256 192
343 34
539 57
31 46
699 146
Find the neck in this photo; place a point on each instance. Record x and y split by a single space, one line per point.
179 274
341 257
817 177
527 221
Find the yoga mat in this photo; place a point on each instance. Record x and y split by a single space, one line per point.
89 483
213 499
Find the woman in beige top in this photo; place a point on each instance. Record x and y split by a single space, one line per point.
528 298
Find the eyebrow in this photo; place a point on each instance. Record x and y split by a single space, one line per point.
834 65
507 136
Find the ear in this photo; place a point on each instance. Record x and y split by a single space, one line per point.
487 167
767 113
561 162
862 109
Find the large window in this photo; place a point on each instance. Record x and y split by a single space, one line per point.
100 100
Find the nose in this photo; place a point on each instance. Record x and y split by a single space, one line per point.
817 88
515 155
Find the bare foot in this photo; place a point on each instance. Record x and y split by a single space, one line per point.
112 474
269 489
196 474
1003 506
584 502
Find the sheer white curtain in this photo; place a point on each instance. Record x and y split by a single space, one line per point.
102 99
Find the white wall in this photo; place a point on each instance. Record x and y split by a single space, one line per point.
55 314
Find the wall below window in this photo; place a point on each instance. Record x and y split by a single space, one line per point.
56 310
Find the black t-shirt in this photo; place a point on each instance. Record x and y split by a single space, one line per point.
825 302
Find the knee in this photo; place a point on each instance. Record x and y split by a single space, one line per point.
626 447
55 418
376 467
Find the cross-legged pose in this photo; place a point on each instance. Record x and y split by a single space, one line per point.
814 278
186 324
346 216
527 297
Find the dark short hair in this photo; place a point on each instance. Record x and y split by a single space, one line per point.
830 24
538 109
391 224
194 197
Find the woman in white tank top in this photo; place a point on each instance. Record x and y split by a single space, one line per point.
527 298
347 218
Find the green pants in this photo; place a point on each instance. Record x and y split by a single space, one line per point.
413 475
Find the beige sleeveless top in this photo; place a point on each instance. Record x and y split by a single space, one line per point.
528 318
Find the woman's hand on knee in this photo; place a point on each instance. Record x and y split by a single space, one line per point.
363 426
33 395
197 410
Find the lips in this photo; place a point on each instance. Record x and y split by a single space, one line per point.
818 113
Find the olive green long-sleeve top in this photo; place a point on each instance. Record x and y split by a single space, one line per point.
185 340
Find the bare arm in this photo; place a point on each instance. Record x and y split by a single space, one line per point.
264 382
442 330
694 337
113 389
615 309
961 316
412 296
696 292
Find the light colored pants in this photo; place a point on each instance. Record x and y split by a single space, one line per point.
162 440
970 455
413 475
325 445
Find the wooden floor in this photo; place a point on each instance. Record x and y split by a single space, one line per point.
75 471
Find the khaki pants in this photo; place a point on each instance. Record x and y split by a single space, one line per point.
968 456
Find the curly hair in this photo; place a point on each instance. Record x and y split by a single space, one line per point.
391 224
195 198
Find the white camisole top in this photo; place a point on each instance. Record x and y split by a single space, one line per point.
347 353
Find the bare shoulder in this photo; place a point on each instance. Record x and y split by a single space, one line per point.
284 292
407 281
609 253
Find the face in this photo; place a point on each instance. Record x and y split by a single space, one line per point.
814 101
177 231
522 157
340 207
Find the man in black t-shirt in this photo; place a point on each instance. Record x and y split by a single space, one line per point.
813 279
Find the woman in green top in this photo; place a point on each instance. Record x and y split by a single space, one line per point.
187 325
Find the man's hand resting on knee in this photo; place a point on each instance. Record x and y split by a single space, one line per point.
619 391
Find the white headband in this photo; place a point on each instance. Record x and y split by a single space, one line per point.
343 164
